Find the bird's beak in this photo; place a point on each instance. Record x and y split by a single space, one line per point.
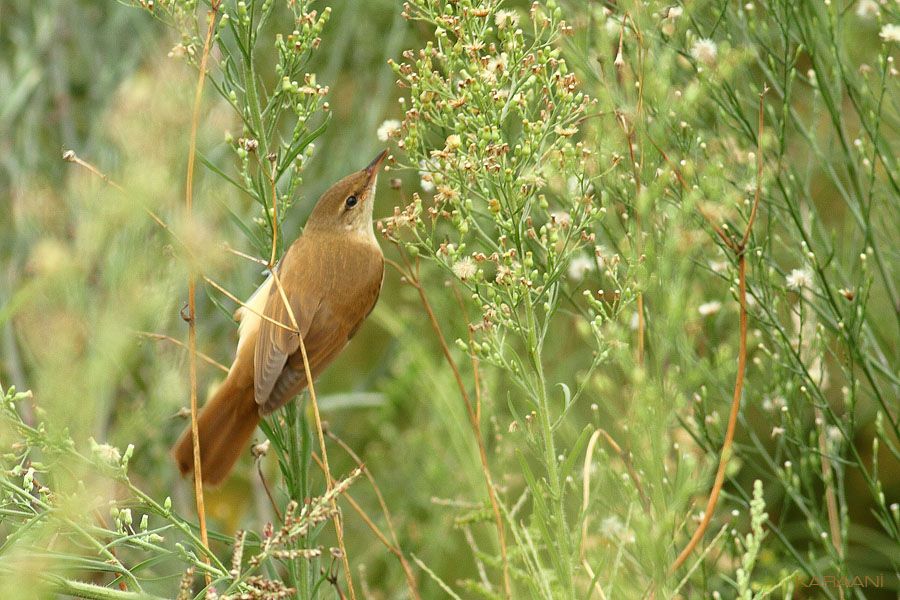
375 165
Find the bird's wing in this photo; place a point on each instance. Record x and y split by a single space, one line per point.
275 342
330 328
324 339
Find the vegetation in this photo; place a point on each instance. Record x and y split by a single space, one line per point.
638 333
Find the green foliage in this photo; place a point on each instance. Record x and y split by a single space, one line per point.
54 515
490 119
560 173
276 114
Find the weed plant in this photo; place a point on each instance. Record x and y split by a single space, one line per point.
638 335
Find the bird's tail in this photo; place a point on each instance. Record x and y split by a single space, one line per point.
225 425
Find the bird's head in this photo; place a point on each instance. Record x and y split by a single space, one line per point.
347 205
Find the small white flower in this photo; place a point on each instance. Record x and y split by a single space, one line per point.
453 141
770 404
600 254
464 268
426 180
705 51
504 275
387 129
498 63
867 9
890 33
261 449
709 308
669 16
177 51
561 218
106 453
506 18
799 278
777 431
834 434
580 266
611 527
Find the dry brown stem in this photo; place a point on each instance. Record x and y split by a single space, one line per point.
70 156
739 247
394 547
411 275
192 283
166 338
329 480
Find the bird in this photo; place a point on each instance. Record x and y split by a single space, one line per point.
331 277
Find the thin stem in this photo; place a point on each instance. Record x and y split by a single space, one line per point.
739 247
535 347
725 455
629 466
70 156
828 481
192 283
258 261
585 502
244 305
395 549
329 480
498 521
167 338
413 279
636 168
265 484
274 214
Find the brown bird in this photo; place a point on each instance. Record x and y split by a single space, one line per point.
331 276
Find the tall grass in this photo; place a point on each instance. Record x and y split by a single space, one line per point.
588 200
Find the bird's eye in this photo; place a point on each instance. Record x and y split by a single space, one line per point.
351 201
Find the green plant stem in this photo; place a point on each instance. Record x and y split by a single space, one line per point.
535 345
101 549
298 483
80 589
181 525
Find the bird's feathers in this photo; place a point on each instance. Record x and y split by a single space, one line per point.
329 305
249 313
331 277
276 340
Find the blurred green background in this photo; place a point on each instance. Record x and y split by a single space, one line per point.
83 272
